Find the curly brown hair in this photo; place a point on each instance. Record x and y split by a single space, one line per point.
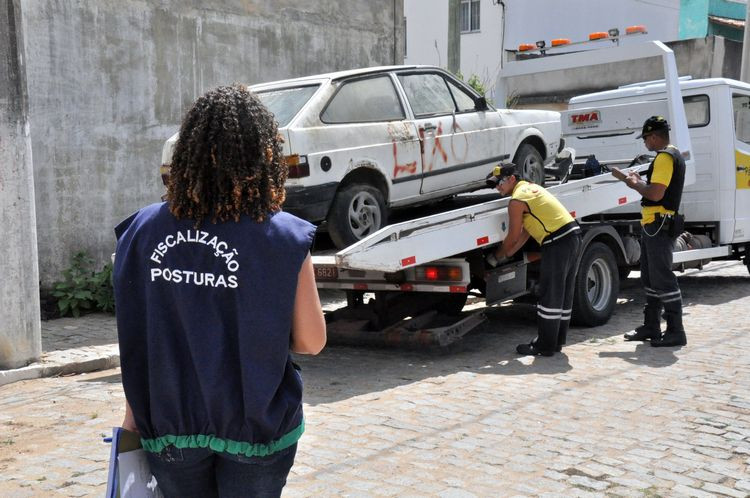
227 160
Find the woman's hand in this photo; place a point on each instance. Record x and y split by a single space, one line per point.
128 423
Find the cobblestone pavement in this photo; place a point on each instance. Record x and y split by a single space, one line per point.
605 418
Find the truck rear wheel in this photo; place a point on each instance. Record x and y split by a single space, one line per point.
358 210
530 165
597 285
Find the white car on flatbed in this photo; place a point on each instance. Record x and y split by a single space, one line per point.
362 141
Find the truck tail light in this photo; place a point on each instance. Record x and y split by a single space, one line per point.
439 274
297 165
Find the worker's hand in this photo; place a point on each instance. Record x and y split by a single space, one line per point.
633 179
618 174
494 261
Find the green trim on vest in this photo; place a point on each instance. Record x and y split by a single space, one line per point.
218 444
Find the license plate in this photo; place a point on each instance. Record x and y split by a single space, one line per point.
326 273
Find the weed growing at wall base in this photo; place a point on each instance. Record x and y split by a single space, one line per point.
84 290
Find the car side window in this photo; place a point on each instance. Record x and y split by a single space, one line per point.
365 100
464 101
427 93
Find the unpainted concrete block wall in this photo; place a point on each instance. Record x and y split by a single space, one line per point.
108 82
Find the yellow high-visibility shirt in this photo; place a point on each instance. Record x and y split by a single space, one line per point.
662 174
546 214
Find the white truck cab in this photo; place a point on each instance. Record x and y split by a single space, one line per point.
605 124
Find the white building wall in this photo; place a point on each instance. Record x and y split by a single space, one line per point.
426 32
527 21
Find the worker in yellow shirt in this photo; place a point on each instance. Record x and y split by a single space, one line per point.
660 225
534 212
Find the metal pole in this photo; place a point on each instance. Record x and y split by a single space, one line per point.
454 36
745 67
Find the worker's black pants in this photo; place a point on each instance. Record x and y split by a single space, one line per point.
657 277
556 285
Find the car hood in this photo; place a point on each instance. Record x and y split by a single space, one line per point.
528 116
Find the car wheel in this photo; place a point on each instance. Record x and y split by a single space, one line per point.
529 162
358 210
596 287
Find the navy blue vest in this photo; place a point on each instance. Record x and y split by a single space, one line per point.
204 319
673 193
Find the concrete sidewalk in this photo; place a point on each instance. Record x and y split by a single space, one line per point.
72 345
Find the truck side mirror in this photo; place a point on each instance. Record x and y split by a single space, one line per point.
480 104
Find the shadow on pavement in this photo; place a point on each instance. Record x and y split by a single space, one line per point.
109 379
644 354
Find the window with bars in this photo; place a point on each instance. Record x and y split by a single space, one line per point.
469 16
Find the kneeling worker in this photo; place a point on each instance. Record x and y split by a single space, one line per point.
533 211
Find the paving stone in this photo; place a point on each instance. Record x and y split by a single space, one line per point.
688 491
588 483
723 490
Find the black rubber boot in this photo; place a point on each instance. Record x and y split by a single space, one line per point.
651 328
675 333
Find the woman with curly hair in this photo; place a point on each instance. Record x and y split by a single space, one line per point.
213 289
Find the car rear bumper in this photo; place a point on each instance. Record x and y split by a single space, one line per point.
310 203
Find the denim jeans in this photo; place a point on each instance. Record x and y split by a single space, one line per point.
202 473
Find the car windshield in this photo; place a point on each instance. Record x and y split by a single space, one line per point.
285 103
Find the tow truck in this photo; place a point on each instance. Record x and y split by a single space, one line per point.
416 270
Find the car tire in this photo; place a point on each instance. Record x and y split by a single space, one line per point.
357 211
596 287
529 164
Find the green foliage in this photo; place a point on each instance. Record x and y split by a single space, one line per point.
83 289
512 101
477 85
474 82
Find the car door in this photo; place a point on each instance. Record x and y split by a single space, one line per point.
458 142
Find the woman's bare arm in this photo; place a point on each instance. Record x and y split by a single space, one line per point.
129 421
308 323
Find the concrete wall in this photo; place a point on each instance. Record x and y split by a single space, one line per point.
109 81
20 332
700 58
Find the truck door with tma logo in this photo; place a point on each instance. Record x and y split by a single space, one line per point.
741 113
